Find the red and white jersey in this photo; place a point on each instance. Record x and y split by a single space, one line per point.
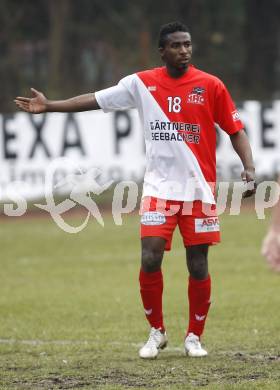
178 117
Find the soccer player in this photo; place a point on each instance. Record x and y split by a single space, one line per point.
271 243
178 105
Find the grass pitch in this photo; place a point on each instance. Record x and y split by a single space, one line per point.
71 316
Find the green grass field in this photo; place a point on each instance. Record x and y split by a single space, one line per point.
71 315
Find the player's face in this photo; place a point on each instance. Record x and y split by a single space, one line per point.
177 51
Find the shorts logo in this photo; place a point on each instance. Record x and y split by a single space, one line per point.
153 218
206 225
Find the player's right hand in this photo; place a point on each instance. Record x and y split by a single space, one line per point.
248 178
35 105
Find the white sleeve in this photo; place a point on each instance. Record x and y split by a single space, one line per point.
119 97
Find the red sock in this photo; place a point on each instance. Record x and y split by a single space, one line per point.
151 288
199 292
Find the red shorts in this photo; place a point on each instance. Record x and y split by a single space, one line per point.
197 221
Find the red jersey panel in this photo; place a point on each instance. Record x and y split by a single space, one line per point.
195 101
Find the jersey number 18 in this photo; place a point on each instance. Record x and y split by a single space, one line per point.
174 104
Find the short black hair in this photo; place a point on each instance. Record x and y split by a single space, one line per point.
170 28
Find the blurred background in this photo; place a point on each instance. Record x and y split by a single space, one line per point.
67 47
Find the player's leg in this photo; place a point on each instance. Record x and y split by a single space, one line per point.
199 293
151 289
198 231
157 226
151 280
156 235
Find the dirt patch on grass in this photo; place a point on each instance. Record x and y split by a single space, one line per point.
53 382
155 379
114 377
256 357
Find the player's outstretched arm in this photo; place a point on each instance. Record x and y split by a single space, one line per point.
38 103
242 147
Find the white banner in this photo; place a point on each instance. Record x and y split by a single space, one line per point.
262 124
114 144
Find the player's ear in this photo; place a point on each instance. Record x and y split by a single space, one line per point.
161 52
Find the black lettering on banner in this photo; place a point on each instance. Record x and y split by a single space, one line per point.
122 127
38 141
266 126
76 142
7 137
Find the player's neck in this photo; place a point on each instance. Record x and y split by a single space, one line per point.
175 72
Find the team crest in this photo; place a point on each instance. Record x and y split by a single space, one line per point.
198 90
196 96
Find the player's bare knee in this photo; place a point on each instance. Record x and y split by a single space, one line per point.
198 269
197 261
151 260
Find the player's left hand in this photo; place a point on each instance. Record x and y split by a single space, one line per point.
248 177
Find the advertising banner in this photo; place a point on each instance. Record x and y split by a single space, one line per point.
113 145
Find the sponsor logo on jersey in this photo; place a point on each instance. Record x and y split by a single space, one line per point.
178 126
235 115
153 218
175 131
205 225
152 88
196 96
164 136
